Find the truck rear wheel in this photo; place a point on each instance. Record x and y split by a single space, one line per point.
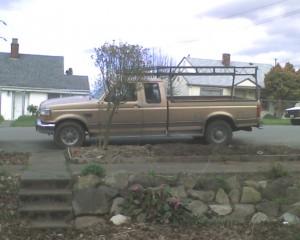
218 132
69 134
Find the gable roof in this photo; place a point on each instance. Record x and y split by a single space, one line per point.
38 71
225 81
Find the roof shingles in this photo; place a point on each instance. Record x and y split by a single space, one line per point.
38 71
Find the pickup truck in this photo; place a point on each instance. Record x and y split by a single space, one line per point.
147 111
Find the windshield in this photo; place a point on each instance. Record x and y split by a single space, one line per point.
97 93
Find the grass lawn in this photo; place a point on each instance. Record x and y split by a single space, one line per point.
276 121
24 121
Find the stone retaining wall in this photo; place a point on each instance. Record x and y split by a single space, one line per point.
215 198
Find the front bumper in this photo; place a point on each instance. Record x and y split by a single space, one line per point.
47 128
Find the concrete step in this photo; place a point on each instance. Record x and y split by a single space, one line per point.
55 211
49 183
37 196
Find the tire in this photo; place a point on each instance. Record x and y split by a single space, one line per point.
69 134
295 121
218 132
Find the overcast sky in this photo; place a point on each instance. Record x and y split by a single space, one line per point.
250 30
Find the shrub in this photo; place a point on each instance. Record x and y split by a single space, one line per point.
32 109
269 116
1 118
277 170
156 205
93 168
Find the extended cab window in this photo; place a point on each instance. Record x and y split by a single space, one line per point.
152 93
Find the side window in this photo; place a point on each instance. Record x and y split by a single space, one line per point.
125 94
152 93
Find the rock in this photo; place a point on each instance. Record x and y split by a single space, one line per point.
88 221
210 184
197 208
262 184
116 207
293 209
93 200
188 180
259 218
120 219
141 218
277 188
178 192
234 196
269 208
244 210
251 183
90 180
204 196
233 183
250 195
118 180
293 193
289 218
221 210
222 197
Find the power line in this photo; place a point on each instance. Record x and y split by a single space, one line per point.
275 18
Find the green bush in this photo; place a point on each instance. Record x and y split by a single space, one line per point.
269 116
1 118
93 168
156 205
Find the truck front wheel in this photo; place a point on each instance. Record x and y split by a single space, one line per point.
69 134
218 132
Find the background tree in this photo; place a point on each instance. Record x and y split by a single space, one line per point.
121 66
283 86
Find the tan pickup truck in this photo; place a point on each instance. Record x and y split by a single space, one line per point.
147 111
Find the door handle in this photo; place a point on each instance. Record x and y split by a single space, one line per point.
136 106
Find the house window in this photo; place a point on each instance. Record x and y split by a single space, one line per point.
211 92
53 95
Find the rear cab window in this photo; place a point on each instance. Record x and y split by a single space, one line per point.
152 93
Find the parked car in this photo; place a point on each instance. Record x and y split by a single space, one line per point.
294 114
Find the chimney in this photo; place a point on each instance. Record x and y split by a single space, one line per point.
14 48
226 59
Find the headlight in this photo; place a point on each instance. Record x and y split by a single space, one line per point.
45 112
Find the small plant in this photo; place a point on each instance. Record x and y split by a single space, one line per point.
277 170
32 109
93 168
223 183
1 118
283 200
156 205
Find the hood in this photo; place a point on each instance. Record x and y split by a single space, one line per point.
58 103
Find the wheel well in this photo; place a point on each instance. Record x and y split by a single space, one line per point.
72 120
223 118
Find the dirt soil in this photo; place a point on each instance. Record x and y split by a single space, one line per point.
115 152
12 227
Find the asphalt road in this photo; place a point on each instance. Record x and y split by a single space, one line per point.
27 139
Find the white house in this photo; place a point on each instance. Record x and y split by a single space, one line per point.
27 79
244 86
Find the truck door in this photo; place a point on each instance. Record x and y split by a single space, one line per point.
154 110
127 119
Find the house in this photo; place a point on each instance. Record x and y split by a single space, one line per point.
27 79
244 86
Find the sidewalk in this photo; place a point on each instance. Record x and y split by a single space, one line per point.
45 164
5 123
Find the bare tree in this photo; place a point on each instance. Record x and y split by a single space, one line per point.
121 67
